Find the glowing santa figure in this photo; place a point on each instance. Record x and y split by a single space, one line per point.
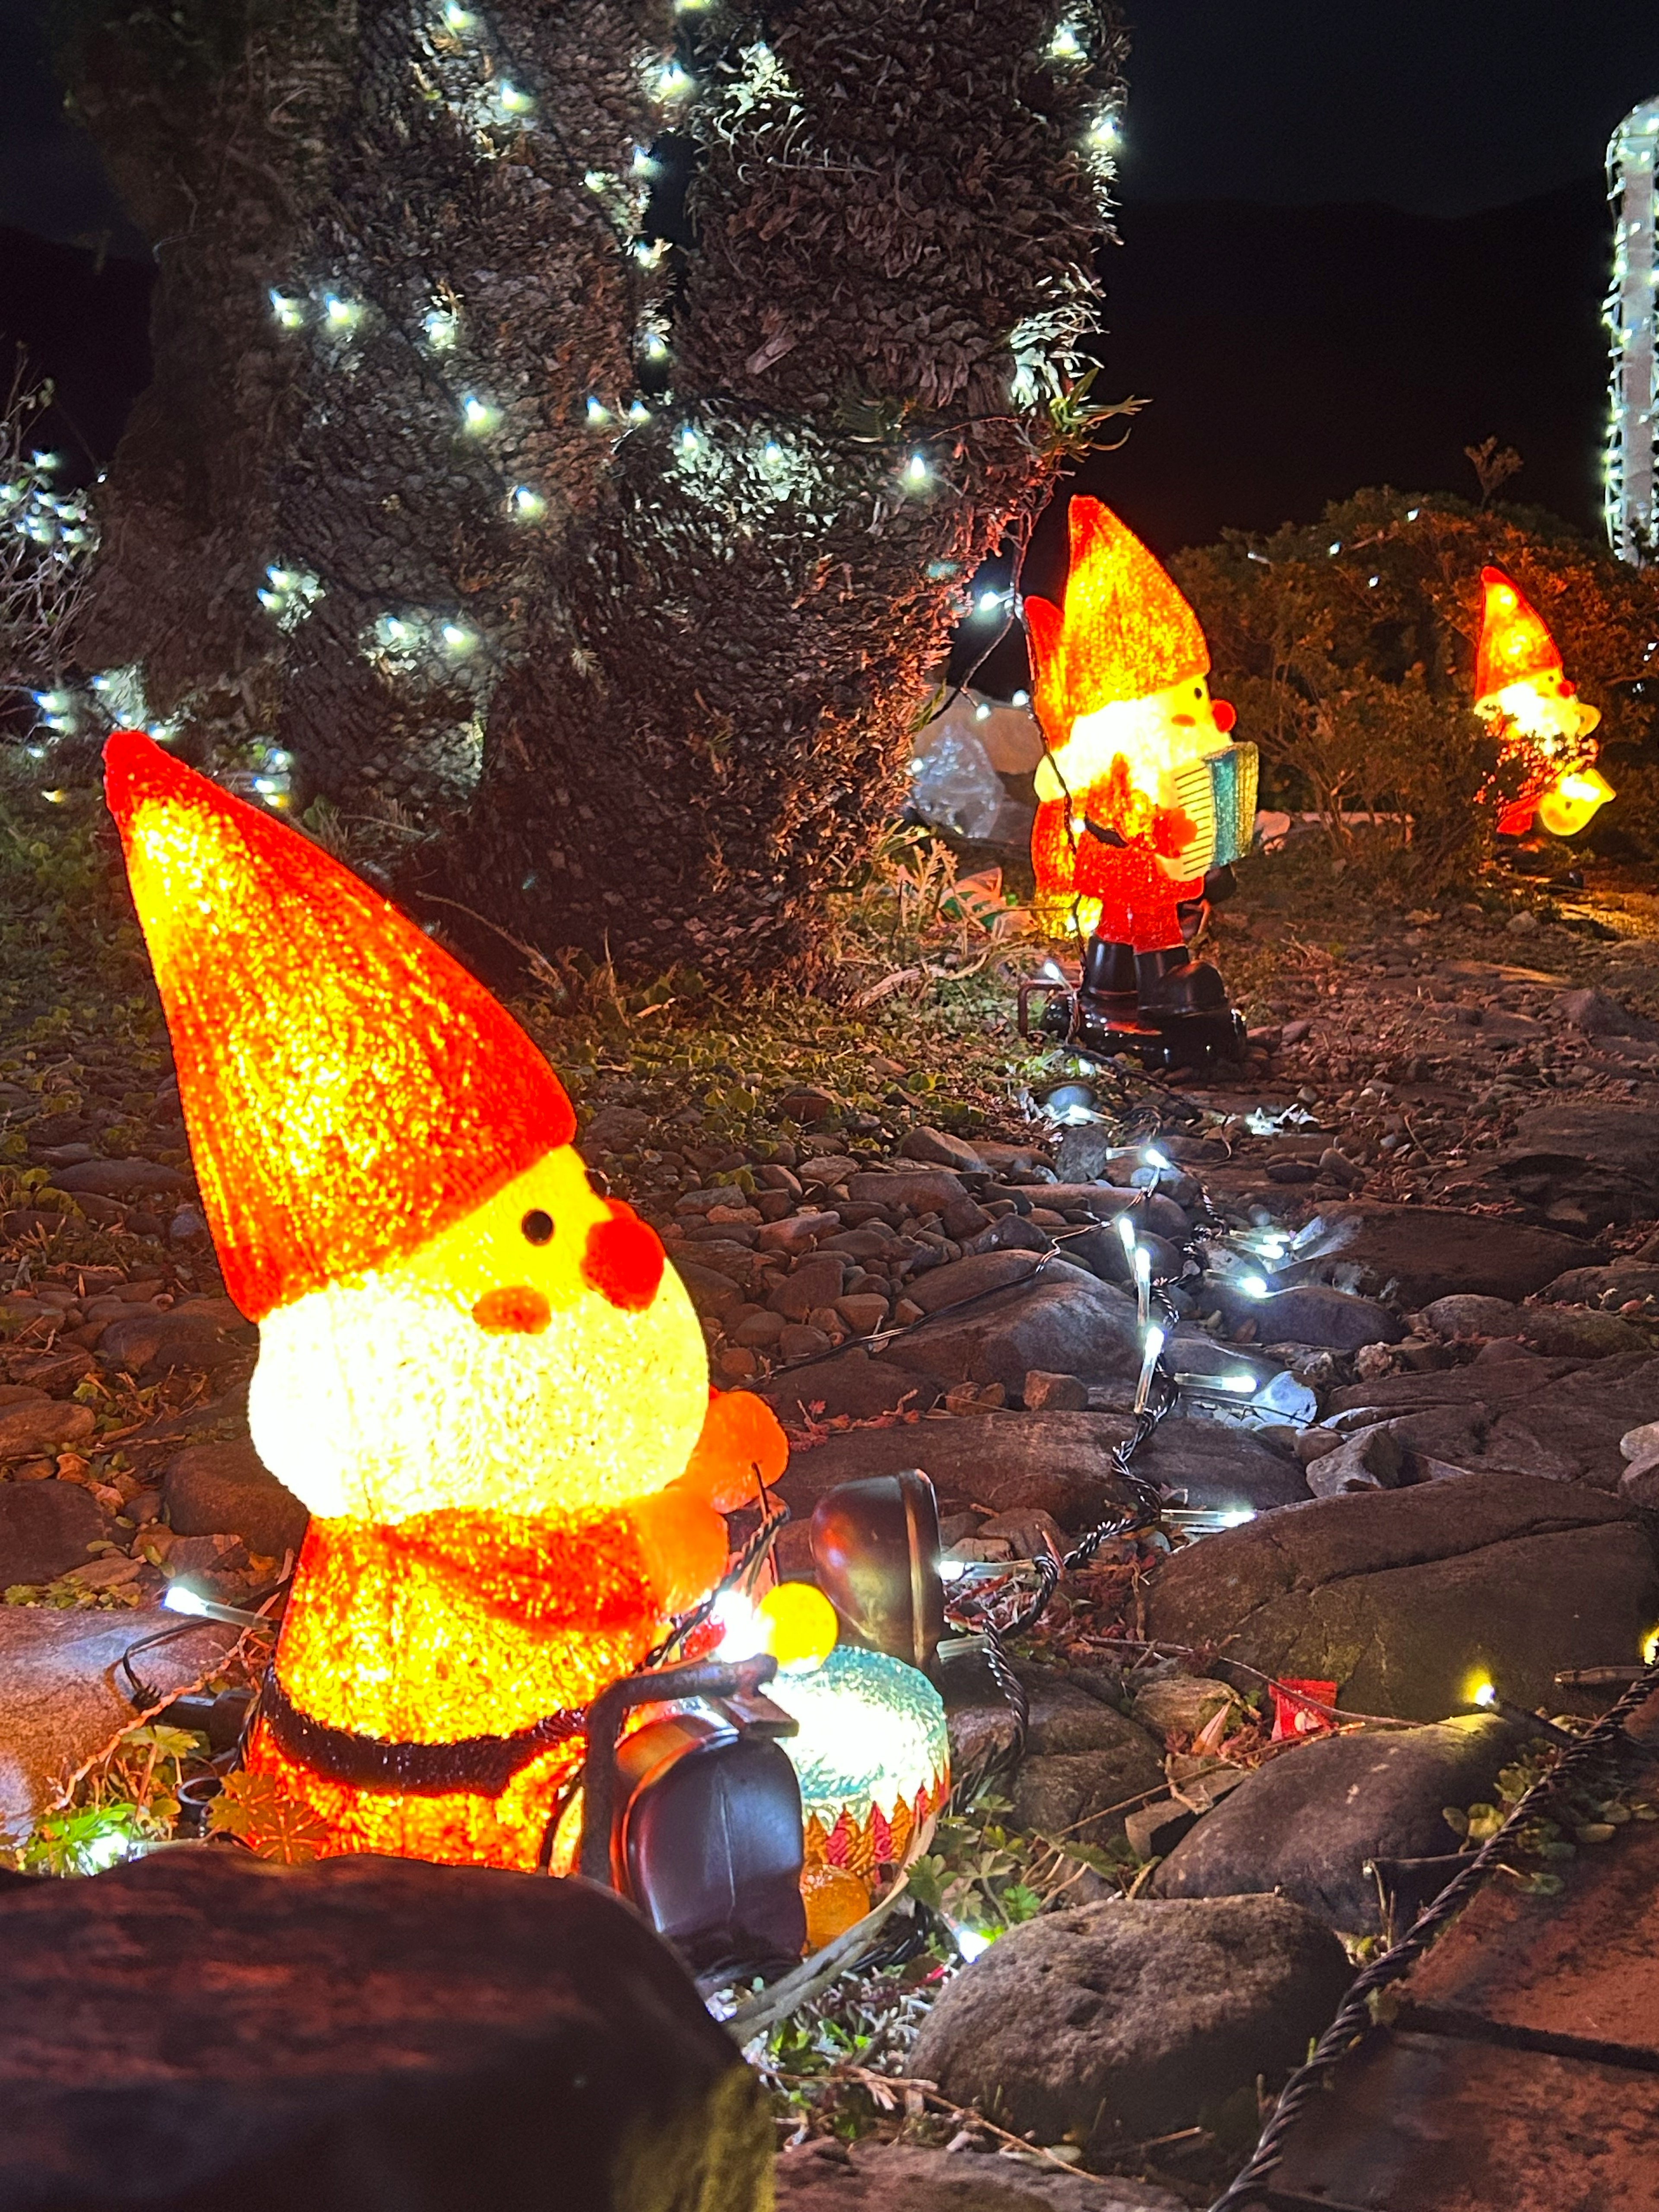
1142 794
1522 690
477 1372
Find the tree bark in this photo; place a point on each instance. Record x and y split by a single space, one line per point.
601 577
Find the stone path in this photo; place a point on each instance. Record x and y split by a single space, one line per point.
1519 2070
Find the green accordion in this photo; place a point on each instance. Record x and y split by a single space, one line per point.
1217 797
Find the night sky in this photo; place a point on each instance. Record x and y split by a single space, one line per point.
1355 238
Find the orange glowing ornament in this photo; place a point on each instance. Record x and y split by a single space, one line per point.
1522 690
1135 745
479 1374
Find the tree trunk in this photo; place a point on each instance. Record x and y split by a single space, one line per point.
601 577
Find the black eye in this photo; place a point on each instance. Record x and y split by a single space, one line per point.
538 1226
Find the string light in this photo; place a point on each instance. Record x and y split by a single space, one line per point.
511 101
442 328
1632 460
288 595
458 640
341 315
916 470
459 19
289 312
1143 1266
674 82
527 506
638 412
1065 46
1150 1357
479 416
598 413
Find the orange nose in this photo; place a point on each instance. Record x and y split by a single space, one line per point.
623 1260
1183 721
514 1310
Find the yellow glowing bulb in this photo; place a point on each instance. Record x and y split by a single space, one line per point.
1483 1693
1650 1647
800 1626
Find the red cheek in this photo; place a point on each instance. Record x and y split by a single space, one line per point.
623 1260
1225 716
514 1311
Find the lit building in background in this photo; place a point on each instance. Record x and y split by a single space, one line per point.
1632 518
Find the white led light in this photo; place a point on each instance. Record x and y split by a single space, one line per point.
511 101
459 19
181 1598
598 413
441 327
1154 1158
971 1943
689 440
290 313
528 506
457 639
1125 1231
479 416
673 82
916 470
983 712
1065 46
772 452
1252 1286
341 315
1021 699
638 412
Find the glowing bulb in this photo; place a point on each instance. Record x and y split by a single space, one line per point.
1125 1231
1065 46
477 415
687 440
1021 699
1412 513
598 412
983 712
1236 1516
594 180
772 452
528 506
181 1598
916 469
1242 1383
1150 1357
1253 1286
801 1627
673 82
440 328
290 313
656 346
971 1943
638 412
1484 1694
743 1633
953 1570
459 19
511 101
342 314
1650 1647
457 639
1154 1158
989 602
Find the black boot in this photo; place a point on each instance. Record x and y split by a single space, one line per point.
1109 969
1169 982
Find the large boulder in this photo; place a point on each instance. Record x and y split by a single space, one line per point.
201 2027
152 1344
66 1698
1140 2017
1407 1598
32 1424
1426 1252
1560 1331
832 2176
210 1489
1305 1825
1063 1321
44 1530
1312 1314
851 1387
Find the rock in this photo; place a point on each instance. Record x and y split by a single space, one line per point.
1373 1458
62 1705
1598 1015
614 1129
120 1178
1044 1393
44 1529
1641 1442
1557 1331
1084 1766
1401 1596
710 1292
1132 2015
1602 1132
1152 1831
831 2176
1525 924
970 1278
60 1369
854 1386
210 1488
863 1313
155 1343
807 1104
1066 1322
1585 1286
813 1283
445 2030
1304 1825
1313 1314
1428 1252
36 1424
937 1148
924 1190
1180 1704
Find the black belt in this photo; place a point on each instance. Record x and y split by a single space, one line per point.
481 1765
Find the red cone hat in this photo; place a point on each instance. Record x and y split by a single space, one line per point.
1515 638
348 1089
1125 629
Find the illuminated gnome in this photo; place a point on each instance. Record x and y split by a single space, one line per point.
1142 794
477 1373
1520 689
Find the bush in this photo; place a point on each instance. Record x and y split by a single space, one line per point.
1348 648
